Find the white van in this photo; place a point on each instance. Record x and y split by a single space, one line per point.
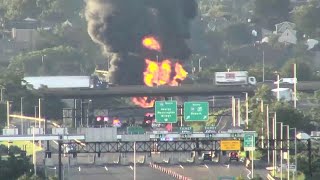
286 81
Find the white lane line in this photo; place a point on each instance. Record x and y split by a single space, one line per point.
249 174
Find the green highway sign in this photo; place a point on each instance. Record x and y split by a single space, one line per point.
135 130
166 111
186 130
249 142
226 178
210 129
196 111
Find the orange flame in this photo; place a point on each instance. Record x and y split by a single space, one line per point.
158 73
144 102
151 43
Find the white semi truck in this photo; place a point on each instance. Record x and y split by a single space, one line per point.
58 82
234 78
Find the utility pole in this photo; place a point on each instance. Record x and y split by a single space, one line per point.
247 111
295 81
268 132
233 112
21 113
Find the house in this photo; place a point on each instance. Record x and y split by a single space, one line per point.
288 37
282 27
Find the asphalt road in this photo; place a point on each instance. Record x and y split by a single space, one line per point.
115 173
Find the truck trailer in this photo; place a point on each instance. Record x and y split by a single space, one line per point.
58 82
234 78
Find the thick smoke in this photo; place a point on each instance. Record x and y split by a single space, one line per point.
119 26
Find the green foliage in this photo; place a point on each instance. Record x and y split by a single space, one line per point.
49 10
306 18
304 69
271 12
14 167
61 60
237 34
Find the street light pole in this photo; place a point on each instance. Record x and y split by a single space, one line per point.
288 152
263 65
281 151
278 87
8 114
239 113
233 112
295 84
21 113
247 111
274 134
295 152
134 161
268 132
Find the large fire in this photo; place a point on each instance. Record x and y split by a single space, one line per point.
151 43
159 73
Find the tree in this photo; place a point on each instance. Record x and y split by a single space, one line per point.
61 60
19 9
237 34
270 12
14 167
304 69
306 18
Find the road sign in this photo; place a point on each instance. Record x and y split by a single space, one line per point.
210 129
230 145
166 111
226 178
186 130
135 130
249 142
196 111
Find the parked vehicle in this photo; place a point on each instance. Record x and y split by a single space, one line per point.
233 156
57 82
286 81
234 78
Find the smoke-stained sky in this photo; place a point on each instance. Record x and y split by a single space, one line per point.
118 26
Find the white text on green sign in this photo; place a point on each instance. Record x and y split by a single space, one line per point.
196 111
166 111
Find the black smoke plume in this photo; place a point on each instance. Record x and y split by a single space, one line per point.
118 26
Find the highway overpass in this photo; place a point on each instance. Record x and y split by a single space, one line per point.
167 91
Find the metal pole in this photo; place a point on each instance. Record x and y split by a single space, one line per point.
233 112
247 110
60 163
134 161
34 160
39 101
295 152
252 160
158 71
263 65
278 87
262 126
199 64
21 113
281 151
288 152
239 113
295 84
181 122
8 114
268 133
275 142
2 94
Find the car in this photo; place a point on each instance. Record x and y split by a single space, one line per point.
233 156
